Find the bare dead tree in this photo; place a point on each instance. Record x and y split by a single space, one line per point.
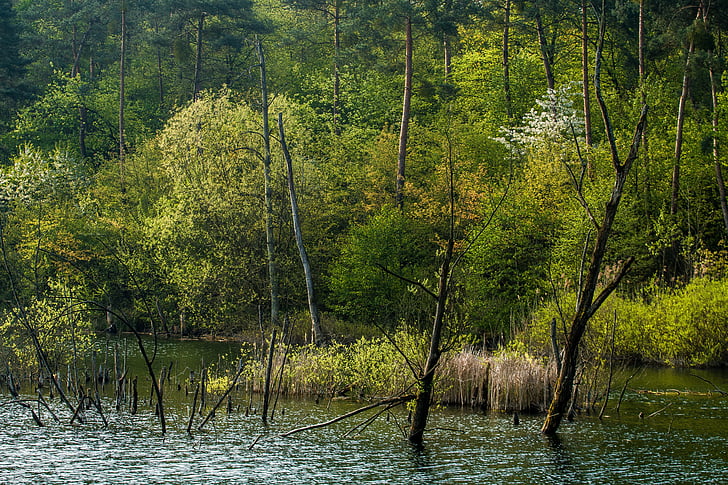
295 215
588 301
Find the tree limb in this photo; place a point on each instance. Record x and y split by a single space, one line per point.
384 402
407 280
611 286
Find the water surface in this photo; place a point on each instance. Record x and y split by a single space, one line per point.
684 442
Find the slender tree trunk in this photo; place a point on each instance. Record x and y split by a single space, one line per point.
313 309
76 48
545 52
446 55
269 235
198 58
506 61
643 94
122 94
426 379
587 304
424 393
585 82
337 74
83 118
268 373
679 131
404 127
160 71
716 147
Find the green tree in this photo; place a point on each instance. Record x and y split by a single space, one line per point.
363 290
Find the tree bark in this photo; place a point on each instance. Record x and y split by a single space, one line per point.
404 126
546 56
679 131
506 60
585 82
269 236
313 309
122 95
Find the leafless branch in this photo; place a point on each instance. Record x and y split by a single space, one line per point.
392 401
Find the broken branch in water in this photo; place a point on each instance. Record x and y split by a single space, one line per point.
390 402
659 410
720 391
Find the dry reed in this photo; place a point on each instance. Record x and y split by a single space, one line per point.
499 382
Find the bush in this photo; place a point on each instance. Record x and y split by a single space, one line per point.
682 327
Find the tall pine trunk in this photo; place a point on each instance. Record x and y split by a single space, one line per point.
404 126
198 58
506 61
122 96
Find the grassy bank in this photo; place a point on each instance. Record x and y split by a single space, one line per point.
374 367
687 326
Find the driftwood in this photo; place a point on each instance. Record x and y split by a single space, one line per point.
390 402
676 392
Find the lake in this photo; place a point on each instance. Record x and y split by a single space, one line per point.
684 442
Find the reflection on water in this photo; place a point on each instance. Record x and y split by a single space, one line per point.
684 443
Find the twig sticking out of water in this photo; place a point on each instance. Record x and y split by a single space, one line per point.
192 411
255 442
660 410
234 383
722 392
624 388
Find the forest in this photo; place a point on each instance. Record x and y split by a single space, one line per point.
209 167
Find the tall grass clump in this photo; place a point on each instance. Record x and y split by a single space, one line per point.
507 380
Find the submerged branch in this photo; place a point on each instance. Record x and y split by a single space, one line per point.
720 391
390 402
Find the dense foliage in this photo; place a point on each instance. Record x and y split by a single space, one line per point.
132 158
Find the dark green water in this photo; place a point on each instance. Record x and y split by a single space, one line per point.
684 443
